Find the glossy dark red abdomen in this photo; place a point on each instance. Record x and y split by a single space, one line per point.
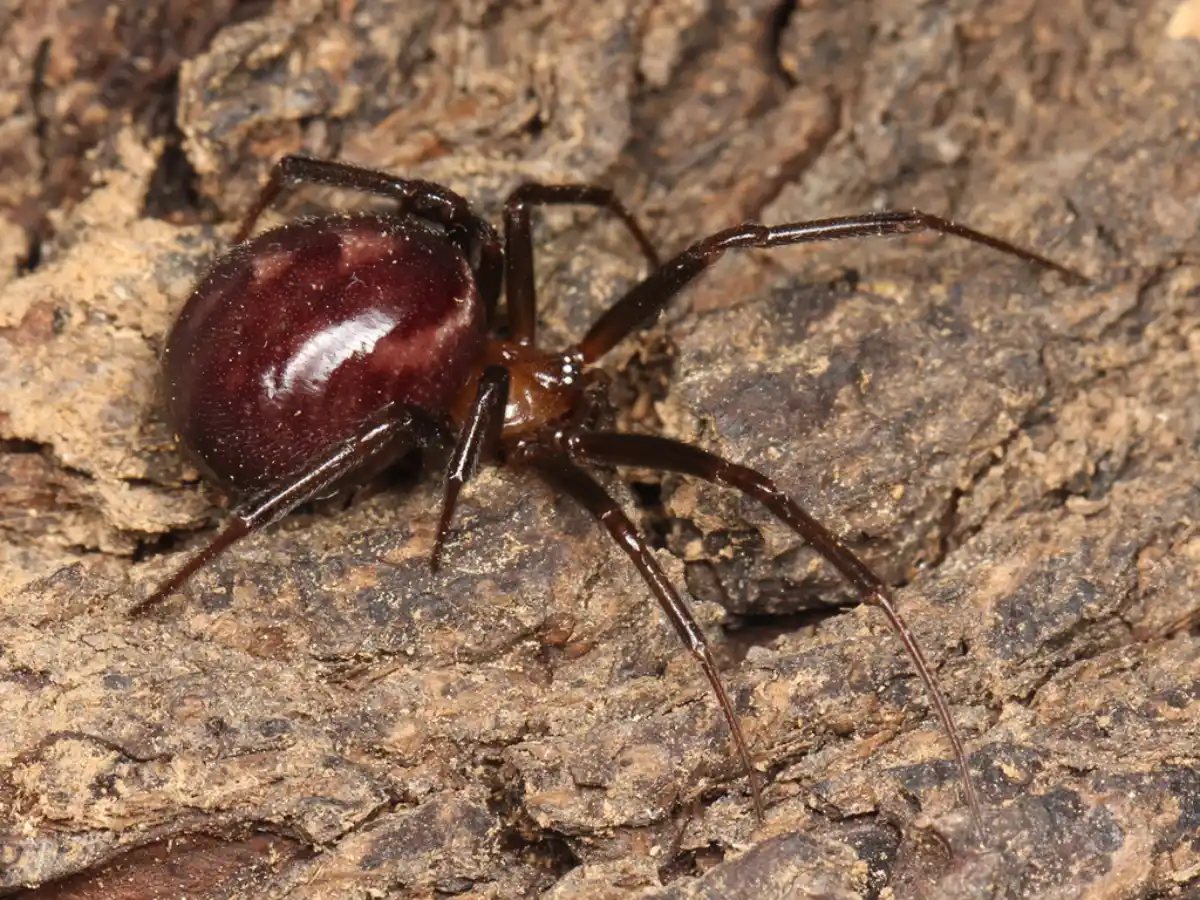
299 335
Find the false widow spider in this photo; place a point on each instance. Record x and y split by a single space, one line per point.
324 349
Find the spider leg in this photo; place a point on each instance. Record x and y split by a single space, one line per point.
480 437
477 239
520 293
648 451
645 300
382 437
577 483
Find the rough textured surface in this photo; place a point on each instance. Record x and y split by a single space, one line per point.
320 717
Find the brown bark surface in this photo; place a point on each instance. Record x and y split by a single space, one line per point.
318 716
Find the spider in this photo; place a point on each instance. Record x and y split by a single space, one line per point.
325 349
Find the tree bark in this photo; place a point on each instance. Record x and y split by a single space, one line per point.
319 716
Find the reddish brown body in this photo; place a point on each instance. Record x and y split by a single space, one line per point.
297 337
321 350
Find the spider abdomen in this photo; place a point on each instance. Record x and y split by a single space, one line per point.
297 337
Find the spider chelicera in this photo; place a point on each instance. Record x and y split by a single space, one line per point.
323 350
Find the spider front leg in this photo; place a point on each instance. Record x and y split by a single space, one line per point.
665 454
520 292
643 303
557 469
